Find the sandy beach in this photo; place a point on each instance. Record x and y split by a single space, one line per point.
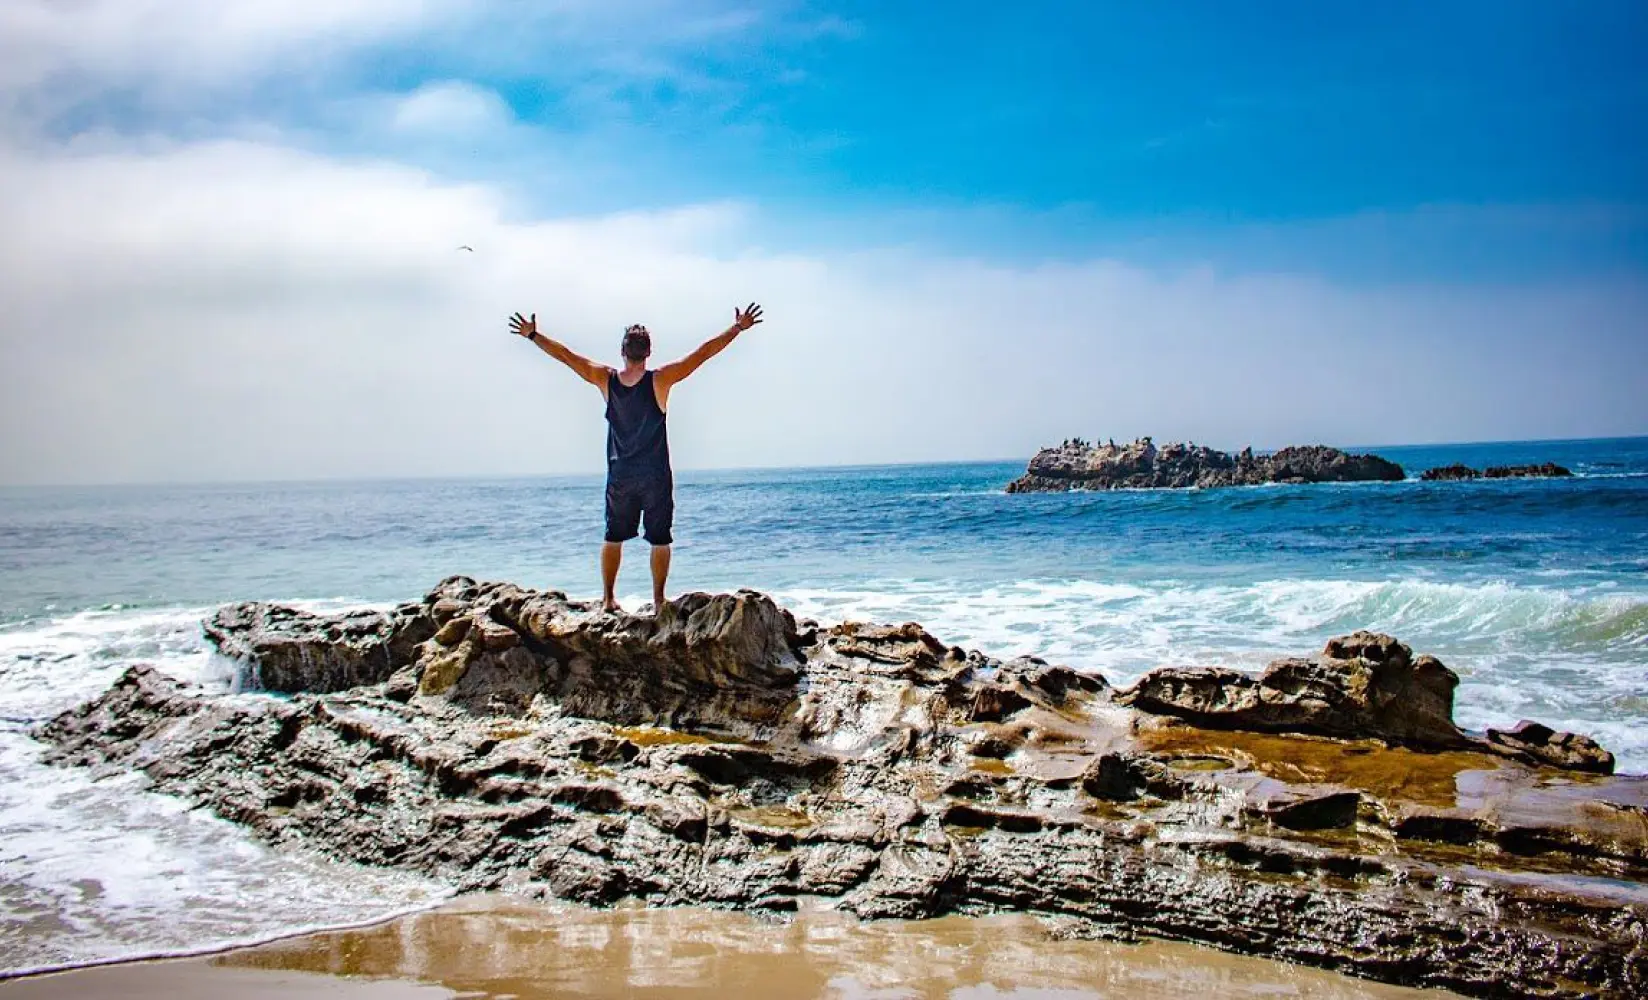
495 946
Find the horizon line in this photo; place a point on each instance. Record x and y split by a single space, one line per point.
501 476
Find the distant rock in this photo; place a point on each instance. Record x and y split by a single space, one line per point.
1078 465
1550 470
1446 473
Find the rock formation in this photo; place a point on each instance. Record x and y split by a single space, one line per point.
1549 470
1077 465
1449 473
1327 811
1363 685
1569 750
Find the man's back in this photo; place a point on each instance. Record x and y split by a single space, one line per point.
637 435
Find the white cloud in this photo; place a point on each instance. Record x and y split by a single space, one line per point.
231 310
185 57
451 108
115 42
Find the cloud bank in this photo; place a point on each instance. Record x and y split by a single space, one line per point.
245 305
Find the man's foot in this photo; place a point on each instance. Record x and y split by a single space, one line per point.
658 604
611 605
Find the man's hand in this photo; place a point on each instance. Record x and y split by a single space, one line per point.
743 319
525 327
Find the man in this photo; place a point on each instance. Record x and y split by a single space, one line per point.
640 484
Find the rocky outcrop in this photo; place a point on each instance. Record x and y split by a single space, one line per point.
1450 473
1456 471
1362 686
1549 470
1326 812
1075 464
293 650
492 648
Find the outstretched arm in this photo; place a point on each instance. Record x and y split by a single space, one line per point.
591 372
675 371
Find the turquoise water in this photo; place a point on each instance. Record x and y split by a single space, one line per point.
1535 592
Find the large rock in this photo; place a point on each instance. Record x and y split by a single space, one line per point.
1319 464
497 647
1363 685
294 650
1566 750
1076 464
714 755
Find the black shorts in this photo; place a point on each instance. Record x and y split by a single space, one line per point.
628 500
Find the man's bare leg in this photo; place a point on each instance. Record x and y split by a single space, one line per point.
612 553
660 573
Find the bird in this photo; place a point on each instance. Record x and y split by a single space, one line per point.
469 248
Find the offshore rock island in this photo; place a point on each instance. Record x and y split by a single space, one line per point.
1547 470
1079 465
1326 811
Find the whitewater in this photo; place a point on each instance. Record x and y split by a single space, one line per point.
1534 592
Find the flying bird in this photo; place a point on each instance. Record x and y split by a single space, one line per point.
469 248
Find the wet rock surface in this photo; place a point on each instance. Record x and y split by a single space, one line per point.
1076 464
1326 812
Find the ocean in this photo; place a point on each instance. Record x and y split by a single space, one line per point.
1534 591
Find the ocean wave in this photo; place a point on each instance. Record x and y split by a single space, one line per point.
48 666
120 872
1170 620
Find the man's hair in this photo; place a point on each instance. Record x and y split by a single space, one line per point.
637 343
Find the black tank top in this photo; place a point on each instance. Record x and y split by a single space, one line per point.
637 445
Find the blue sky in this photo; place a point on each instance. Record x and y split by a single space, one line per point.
252 206
1074 126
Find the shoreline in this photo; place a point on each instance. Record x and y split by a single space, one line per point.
497 945
211 950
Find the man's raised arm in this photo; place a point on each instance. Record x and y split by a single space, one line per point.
675 371
591 372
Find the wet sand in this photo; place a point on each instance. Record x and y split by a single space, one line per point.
487 946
